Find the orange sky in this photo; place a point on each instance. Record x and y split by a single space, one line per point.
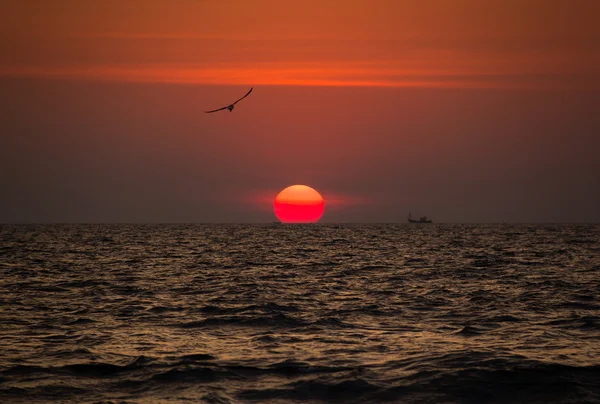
461 110
430 43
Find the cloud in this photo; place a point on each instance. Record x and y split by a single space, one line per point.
328 76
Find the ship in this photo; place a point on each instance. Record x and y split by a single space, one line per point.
422 219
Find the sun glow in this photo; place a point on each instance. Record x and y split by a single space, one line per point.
299 204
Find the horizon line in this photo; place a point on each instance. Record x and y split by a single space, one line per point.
282 223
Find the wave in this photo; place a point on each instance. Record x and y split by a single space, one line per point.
542 383
81 321
89 369
252 308
192 375
466 378
469 331
352 390
196 357
278 321
219 313
577 322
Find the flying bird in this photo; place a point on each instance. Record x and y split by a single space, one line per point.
230 106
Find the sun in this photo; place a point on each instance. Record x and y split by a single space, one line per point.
299 204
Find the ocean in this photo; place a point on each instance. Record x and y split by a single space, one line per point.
437 313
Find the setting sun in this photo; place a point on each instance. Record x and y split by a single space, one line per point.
299 204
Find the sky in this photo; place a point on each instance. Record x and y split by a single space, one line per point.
462 110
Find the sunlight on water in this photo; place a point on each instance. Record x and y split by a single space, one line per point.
353 313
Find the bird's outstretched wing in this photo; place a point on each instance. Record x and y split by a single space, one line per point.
247 94
215 110
230 106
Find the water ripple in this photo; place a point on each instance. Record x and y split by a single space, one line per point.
317 313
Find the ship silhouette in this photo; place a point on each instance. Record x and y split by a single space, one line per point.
422 219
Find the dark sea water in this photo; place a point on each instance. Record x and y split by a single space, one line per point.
307 313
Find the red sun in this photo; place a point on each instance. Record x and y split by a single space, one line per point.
299 204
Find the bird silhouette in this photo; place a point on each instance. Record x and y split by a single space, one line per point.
230 106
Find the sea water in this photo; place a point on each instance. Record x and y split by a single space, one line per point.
300 313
